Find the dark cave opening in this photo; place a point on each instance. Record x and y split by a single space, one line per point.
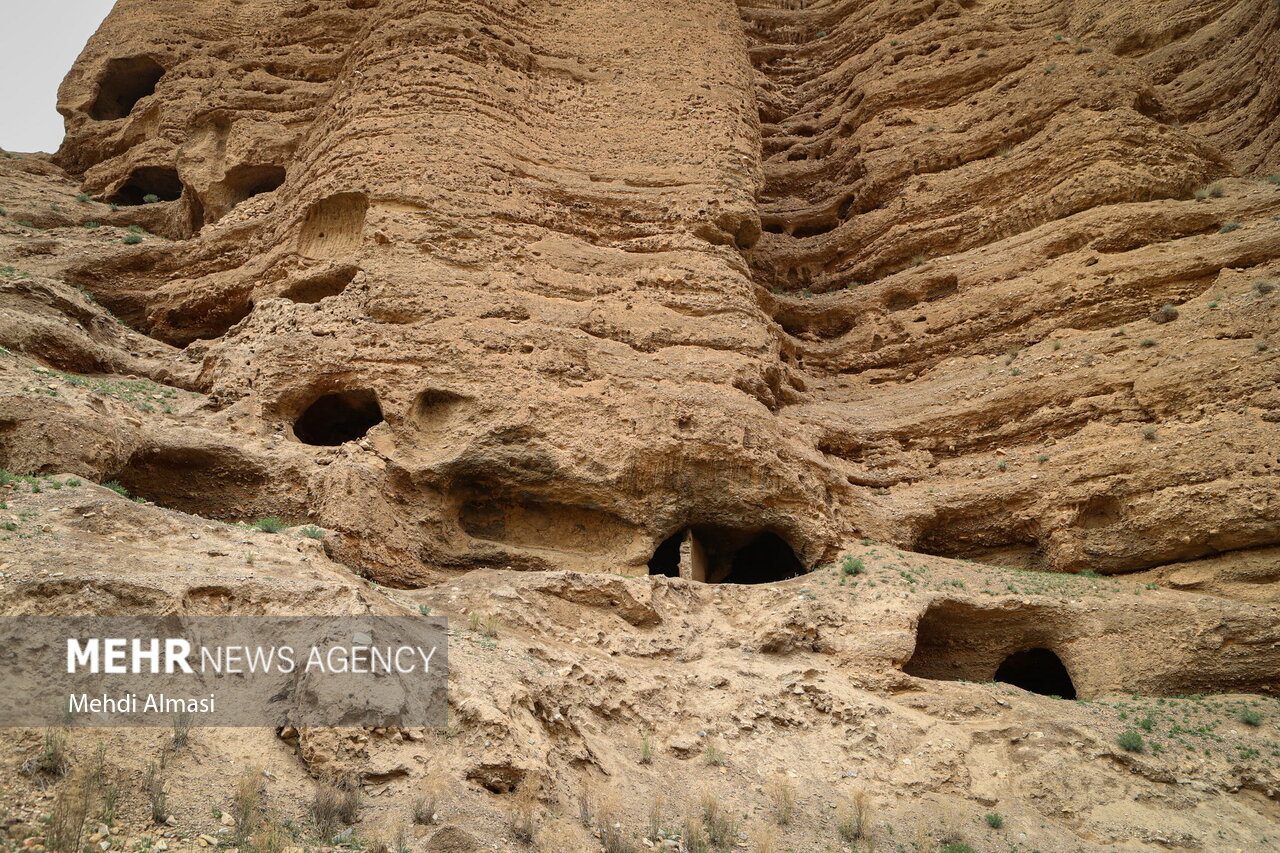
715 554
145 181
666 557
244 182
337 418
765 559
124 82
1037 670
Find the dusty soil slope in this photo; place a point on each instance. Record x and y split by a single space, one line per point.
564 313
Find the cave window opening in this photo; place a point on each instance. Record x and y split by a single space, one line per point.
714 554
337 418
146 181
1037 670
124 82
666 558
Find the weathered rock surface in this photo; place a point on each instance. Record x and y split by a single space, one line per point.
708 289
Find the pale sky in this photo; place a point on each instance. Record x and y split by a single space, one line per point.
38 43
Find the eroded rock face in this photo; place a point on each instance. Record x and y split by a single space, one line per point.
562 281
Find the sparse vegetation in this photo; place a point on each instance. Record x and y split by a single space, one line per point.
246 803
52 759
1149 432
523 820
153 788
852 816
712 756
71 808
336 801
722 831
851 566
1147 343
1262 288
1164 314
646 748
131 239
150 198
1228 227
1131 741
1211 191
270 524
782 795
312 532
426 806
993 820
1250 717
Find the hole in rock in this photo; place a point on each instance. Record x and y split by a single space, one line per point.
338 417
333 225
214 482
1039 671
956 641
434 408
240 184
149 180
666 558
714 554
123 83
813 229
321 284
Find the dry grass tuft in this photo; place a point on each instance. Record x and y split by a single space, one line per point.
782 795
852 816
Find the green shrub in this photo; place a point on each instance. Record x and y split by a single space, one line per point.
1228 227
1131 741
1149 433
131 239
1147 343
850 566
1250 717
150 198
958 847
1147 723
994 820
424 609
1165 314
114 485
270 524
1211 191
1262 288
312 532
92 224
82 197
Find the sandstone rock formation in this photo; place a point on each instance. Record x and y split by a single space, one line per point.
707 293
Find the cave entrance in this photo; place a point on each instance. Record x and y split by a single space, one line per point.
1038 671
240 184
124 82
666 558
337 418
715 554
145 181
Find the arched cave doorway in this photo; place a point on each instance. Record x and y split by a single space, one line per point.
124 82
338 417
163 183
1038 671
715 554
666 558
